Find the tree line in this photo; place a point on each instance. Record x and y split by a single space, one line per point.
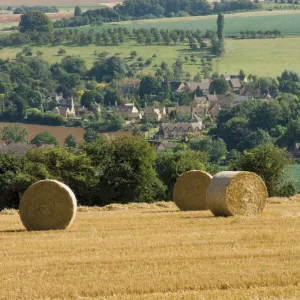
45 9
251 34
142 9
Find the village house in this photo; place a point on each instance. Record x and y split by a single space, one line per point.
183 111
235 84
128 86
251 91
128 111
158 113
203 85
180 130
164 145
199 102
66 107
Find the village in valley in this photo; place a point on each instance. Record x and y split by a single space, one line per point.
149 149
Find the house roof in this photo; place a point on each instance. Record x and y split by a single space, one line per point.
183 109
199 100
212 97
235 83
203 85
226 76
174 85
184 126
250 90
123 108
239 99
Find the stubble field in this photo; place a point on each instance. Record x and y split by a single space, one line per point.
156 252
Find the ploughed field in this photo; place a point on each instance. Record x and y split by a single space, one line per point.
154 251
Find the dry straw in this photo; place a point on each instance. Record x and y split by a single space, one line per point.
48 205
236 193
190 190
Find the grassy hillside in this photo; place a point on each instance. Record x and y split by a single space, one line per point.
268 57
154 253
168 54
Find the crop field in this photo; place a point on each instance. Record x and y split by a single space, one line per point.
59 132
141 251
264 57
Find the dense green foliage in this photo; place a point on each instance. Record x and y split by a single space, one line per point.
35 21
44 138
268 161
141 9
45 9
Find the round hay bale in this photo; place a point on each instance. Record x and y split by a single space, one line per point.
236 193
48 205
190 190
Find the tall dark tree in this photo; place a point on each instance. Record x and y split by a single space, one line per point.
220 27
77 11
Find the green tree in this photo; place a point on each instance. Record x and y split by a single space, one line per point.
73 169
44 138
170 166
35 21
10 187
267 161
149 86
77 11
116 123
112 68
128 174
254 139
70 141
216 149
73 64
219 86
13 134
220 27
90 136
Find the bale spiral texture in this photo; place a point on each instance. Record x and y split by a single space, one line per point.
190 190
48 205
236 193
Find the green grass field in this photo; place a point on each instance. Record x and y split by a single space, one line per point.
266 57
288 22
168 54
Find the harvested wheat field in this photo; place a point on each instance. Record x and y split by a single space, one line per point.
154 252
11 18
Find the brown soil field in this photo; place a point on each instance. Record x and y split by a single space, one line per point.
154 252
10 18
59 132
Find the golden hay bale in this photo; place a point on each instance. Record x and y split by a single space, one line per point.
48 205
236 193
190 190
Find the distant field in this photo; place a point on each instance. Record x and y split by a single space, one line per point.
288 22
55 2
266 57
59 132
154 252
11 18
168 54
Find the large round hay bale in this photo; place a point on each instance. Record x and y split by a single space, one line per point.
236 193
190 190
48 205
